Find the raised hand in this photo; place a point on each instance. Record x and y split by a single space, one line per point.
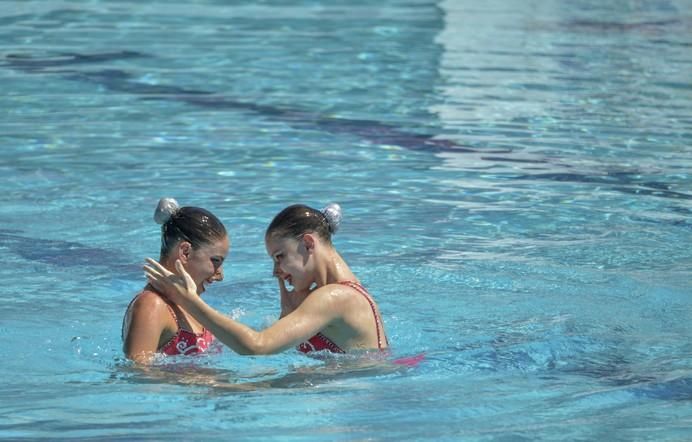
286 304
178 288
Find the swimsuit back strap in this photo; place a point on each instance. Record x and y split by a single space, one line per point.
175 316
184 324
170 309
360 289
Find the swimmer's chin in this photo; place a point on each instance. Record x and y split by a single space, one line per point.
202 287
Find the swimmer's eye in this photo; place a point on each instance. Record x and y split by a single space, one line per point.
218 262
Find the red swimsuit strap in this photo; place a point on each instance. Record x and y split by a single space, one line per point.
175 316
171 309
188 328
183 334
360 289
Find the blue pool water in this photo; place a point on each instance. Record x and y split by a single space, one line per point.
515 179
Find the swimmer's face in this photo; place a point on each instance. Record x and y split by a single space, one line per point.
292 261
205 262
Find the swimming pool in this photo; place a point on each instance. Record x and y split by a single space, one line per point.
515 181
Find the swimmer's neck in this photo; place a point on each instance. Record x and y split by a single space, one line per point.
333 269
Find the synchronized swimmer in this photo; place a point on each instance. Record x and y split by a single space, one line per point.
197 240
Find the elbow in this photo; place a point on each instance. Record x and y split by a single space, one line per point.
141 358
248 343
259 346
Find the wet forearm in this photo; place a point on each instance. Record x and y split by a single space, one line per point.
240 338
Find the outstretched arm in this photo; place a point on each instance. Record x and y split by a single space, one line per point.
315 313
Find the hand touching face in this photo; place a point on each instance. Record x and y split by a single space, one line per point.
291 259
178 288
204 264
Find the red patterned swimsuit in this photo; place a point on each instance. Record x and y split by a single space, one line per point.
186 342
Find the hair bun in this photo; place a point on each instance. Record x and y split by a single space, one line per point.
332 212
166 208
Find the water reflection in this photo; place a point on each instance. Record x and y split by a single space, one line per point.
220 380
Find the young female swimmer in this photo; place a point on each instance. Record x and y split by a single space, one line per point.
327 310
196 240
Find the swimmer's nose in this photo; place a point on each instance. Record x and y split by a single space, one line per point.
218 275
277 272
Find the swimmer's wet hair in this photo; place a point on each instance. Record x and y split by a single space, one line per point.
296 220
192 224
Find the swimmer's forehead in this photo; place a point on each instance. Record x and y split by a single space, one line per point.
219 248
277 245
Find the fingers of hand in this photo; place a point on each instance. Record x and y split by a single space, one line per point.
151 272
154 277
185 280
157 265
179 267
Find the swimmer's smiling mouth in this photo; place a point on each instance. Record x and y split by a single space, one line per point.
206 282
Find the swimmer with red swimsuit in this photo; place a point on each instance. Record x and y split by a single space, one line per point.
327 309
320 342
184 341
197 240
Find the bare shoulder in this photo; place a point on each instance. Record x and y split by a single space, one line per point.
148 303
146 319
334 295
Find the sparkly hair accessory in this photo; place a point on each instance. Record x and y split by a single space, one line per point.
166 208
332 212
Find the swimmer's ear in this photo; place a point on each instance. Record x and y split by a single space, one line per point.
184 249
309 242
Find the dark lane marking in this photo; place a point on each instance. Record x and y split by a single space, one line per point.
373 131
61 253
120 81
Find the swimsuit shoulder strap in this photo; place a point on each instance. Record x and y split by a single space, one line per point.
184 324
360 289
175 316
168 304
